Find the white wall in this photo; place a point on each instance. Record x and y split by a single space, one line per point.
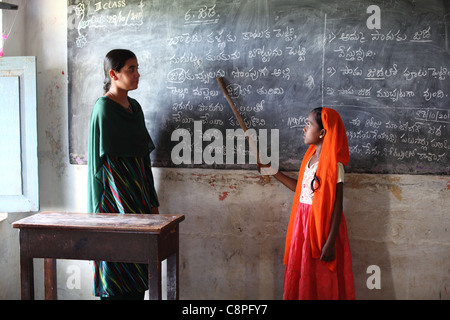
232 240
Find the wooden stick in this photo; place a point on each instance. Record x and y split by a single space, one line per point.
241 122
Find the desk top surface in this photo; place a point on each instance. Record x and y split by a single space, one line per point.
100 222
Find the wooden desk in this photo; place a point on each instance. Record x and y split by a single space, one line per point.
141 238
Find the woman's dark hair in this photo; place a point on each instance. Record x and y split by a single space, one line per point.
318 113
115 60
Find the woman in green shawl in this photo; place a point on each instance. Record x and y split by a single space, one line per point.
120 178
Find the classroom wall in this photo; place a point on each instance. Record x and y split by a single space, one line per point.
232 240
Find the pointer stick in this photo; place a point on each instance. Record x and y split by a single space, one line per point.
251 142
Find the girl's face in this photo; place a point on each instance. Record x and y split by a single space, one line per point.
128 77
312 134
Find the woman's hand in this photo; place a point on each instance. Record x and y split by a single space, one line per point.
154 210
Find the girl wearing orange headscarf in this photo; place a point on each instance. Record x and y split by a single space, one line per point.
317 253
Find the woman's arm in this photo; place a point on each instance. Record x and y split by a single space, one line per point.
328 250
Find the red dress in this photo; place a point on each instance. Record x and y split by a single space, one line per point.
307 278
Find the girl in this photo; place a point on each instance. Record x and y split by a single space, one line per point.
120 177
317 253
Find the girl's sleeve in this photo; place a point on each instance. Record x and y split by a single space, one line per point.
95 186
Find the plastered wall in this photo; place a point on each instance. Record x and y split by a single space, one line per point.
232 240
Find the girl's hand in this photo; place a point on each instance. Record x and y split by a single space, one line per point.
266 169
328 253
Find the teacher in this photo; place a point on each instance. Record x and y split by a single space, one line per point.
120 178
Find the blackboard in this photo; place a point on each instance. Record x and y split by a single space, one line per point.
383 64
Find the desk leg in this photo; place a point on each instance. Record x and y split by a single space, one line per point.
50 279
173 289
172 277
154 280
154 270
26 269
26 279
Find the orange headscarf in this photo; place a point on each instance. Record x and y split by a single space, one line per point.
334 150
